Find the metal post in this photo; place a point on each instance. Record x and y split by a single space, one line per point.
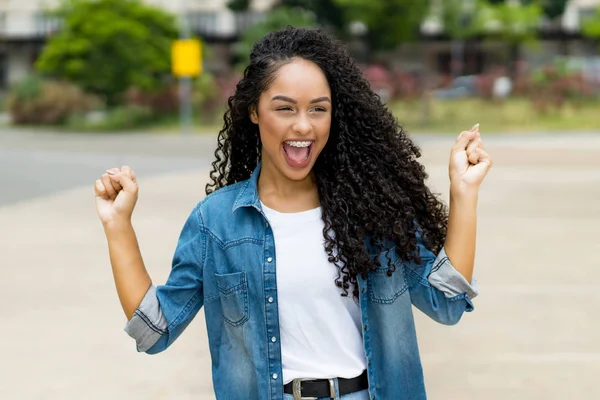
185 89
185 83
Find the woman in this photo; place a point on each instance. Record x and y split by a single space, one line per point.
316 237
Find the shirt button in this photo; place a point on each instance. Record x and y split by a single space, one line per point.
270 259
274 376
270 299
273 339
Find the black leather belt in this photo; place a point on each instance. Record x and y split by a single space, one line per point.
324 387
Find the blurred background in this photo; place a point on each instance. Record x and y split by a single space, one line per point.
86 85
521 65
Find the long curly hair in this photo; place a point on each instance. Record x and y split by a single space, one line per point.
371 186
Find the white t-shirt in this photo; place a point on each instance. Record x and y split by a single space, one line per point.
321 335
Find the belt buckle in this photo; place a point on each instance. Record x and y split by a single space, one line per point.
297 388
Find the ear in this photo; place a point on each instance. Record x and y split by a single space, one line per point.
253 115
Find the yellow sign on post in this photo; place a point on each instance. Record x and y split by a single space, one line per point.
186 57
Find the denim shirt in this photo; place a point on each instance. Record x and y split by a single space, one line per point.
225 261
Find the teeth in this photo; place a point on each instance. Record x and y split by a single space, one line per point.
299 144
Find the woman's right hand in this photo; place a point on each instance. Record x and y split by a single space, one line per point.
116 195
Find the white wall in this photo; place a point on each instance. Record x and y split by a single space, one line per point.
585 3
571 20
20 15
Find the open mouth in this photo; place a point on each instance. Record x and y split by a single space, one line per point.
298 153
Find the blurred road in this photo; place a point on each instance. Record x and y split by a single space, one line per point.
533 335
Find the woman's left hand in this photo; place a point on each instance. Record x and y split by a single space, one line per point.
469 162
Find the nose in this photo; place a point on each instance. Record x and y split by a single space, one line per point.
302 124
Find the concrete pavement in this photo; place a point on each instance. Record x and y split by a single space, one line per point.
533 335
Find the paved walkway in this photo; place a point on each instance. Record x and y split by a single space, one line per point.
534 334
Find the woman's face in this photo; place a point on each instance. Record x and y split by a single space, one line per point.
294 118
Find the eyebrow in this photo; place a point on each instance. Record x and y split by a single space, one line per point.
290 100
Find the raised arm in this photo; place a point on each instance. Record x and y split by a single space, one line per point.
116 196
442 285
157 315
469 164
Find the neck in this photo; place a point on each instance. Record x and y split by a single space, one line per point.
286 195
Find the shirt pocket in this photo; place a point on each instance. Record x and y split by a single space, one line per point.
233 292
384 289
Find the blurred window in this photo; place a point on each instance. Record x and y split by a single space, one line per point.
2 24
45 25
3 71
204 23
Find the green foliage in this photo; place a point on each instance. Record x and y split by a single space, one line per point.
591 25
107 46
205 89
511 22
28 89
457 19
327 12
119 118
388 22
238 5
559 83
206 97
554 8
550 8
126 117
162 102
278 18
34 101
516 115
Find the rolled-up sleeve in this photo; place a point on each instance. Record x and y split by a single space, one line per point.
437 288
448 280
166 310
148 323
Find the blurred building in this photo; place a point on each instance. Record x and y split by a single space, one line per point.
559 37
24 28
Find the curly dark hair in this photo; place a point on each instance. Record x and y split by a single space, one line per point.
371 186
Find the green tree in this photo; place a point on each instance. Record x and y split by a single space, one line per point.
553 8
457 19
590 26
108 46
550 8
513 23
328 14
238 5
278 18
388 22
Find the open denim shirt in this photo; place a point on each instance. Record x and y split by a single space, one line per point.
225 261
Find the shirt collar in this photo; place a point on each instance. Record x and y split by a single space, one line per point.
248 196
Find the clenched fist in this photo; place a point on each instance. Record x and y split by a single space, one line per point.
469 162
116 195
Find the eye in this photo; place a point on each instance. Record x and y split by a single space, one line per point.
285 108
320 109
